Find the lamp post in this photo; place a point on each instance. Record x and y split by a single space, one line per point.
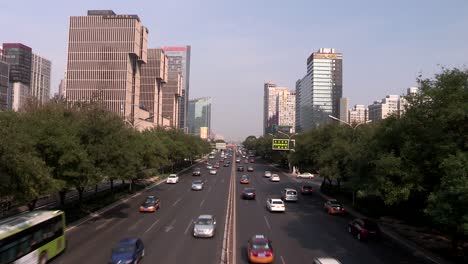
354 131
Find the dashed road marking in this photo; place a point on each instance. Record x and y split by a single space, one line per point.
267 223
188 226
155 223
177 201
282 260
202 202
103 224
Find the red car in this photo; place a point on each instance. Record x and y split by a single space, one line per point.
151 204
216 165
259 250
306 189
332 206
364 229
252 160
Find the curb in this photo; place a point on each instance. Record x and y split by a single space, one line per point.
121 201
406 244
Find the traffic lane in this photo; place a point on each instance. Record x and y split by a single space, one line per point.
178 244
306 226
121 221
251 217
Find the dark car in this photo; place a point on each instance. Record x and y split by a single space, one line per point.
240 168
226 165
248 193
129 250
332 206
364 229
151 204
250 168
306 189
196 172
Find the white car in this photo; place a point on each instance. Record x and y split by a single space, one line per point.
173 178
275 178
267 174
306 175
213 172
275 205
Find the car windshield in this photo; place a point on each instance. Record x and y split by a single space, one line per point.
124 249
149 201
196 170
277 202
335 203
307 187
291 192
172 176
196 182
259 245
249 190
204 221
370 225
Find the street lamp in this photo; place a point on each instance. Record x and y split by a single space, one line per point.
354 130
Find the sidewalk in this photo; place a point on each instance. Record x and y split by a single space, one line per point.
387 231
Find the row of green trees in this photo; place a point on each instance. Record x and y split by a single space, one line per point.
414 166
56 148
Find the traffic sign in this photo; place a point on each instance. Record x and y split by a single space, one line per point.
280 144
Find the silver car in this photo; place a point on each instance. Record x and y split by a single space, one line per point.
204 226
197 185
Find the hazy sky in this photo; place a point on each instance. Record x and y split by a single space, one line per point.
239 44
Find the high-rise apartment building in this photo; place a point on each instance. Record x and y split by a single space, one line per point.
19 58
382 109
4 82
153 76
344 108
40 78
278 109
61 89
179 61
171 93
105 54
199 118
319 92
358 114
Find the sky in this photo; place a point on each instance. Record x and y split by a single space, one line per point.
237 45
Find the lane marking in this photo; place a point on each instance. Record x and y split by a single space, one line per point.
103 224
136 224
282 260
202 202
155 223
170 226
188 226
267 223
177 201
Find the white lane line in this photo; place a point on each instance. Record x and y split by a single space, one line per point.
103 224
202 202
282 260
267 223
188 226
177 201
170 226
136 224
156 222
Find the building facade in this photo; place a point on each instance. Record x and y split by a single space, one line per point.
320 90
171 93
382 109
105 54
286 111
199 119
179 62
344 108
4 82
40 78
153 77
358 114
19 58
275 105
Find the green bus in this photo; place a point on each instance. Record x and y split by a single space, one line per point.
32 237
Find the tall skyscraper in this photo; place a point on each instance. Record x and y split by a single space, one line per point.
179 61
171 93
153 76
61 89
4 82
40 78
358 114
105 54
199 118
277 104
19 57
319 92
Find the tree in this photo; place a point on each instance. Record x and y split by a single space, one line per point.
448 205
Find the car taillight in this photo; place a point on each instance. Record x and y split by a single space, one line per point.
342 208
255 254
268 253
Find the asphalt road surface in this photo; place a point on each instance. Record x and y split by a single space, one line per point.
167 233
300 234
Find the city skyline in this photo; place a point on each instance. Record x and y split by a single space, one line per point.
401 34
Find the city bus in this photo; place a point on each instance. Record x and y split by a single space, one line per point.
32 237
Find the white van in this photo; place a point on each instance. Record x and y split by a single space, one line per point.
289 195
